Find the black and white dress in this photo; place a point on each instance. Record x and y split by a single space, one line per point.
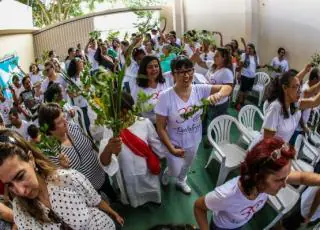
82 157
73 200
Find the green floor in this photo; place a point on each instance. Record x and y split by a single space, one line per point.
177 208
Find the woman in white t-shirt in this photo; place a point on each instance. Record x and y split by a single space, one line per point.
151 81
279 63
284 110
249 64
219 74
265 170
183 135
75 70
35 73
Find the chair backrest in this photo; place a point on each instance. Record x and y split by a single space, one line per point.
298 144
221 127
262 78
247 114
315 117
265 106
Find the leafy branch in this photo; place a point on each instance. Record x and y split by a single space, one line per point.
195 108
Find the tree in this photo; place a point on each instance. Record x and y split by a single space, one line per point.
47 12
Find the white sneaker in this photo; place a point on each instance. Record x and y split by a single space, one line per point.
184 187
165 178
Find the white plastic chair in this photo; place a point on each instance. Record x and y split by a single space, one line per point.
79 118
235 92
314 121
263 80
306 151
228 154
282 203
246 117
264 107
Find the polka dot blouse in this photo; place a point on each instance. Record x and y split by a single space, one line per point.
74 200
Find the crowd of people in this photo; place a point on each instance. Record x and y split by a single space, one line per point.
73 190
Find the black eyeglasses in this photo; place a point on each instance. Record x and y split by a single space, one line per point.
184 72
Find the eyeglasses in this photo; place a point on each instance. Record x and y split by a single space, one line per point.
7 139
184 72
276 154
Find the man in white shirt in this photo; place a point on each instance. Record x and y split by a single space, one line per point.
18 125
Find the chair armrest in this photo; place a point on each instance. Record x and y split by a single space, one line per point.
216 147
312 149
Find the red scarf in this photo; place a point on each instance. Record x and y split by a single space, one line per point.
140 148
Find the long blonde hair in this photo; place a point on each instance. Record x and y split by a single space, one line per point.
11 144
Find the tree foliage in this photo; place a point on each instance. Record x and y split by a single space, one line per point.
47 12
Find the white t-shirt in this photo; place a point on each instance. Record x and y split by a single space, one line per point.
250 71
155 92
5 109
306 112
183 133
307 198
274 121
60 81
17 91
23 130
220 77
276 63
208 58
79 101
231 208
35 77
93 62
131 71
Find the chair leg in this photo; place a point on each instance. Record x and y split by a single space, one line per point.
274 222
223 173
209 160
260 98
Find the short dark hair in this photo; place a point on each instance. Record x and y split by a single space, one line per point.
314 74
51 52
33 131
142 78
127 101
71 49
49 63
47 114
15 77
52 92
136 52
179 62
24 79
34 64
281 49
125 43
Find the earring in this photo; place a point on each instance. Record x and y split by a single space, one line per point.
36 168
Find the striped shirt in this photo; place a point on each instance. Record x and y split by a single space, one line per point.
82 157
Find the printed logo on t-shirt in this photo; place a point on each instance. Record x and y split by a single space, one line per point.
250 210
155 96
188 109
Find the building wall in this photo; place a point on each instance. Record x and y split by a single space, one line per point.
226 16
62 37
292 24
21 44
14 15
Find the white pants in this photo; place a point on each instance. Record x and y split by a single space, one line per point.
178 167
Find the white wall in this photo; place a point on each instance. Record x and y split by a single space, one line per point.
22 45
293 24
226 16
14 15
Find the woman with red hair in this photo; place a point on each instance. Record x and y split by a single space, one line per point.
265 170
